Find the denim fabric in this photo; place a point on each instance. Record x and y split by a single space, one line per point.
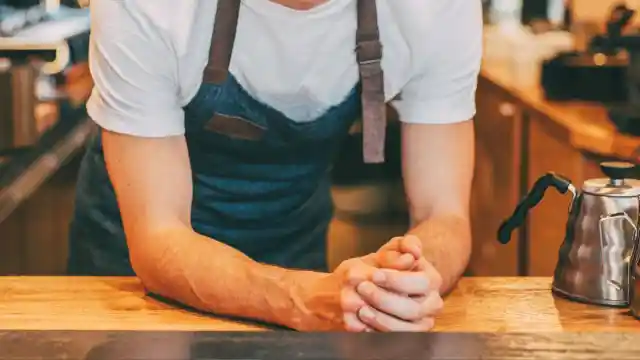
267 195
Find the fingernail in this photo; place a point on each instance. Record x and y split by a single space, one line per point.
366 288
407 258
379 276
367 313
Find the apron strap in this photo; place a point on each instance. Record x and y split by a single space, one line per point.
222 40
369 56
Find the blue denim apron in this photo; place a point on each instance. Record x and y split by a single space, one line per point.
261 181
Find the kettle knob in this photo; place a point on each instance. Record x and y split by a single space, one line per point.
617 170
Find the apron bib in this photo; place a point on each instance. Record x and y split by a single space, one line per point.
261 181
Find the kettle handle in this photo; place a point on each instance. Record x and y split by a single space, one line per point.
535 195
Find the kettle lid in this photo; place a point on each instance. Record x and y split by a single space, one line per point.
619 181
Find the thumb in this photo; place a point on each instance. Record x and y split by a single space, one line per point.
391 259
400 253
410 244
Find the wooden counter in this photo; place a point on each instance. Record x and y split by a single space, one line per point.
485 318
479 305
583 125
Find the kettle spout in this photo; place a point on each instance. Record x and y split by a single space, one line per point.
535 195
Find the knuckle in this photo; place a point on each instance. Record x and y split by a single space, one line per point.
382 324
423 284
377 297
431 305
427 324
436 280
416 313
351 272
349 300
436 302
352 324
354 273
385 257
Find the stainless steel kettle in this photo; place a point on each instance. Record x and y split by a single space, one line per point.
601 236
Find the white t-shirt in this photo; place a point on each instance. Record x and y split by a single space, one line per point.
147 59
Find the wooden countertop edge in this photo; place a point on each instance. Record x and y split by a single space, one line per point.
479 305
586 137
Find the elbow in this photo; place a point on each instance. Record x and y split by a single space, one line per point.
155 260
144 268
165 266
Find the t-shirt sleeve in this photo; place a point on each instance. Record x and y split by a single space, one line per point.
135 72
442 89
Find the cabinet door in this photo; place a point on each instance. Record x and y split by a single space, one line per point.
551 150
496 183
33 239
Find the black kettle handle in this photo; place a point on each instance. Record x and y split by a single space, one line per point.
532 199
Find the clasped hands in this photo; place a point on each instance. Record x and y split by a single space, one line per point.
394 289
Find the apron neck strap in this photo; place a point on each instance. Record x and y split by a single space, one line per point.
368 54
224 36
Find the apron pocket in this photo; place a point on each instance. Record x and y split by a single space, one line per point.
235 127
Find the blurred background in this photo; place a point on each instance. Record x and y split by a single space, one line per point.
558 92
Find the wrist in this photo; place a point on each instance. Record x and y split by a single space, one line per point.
306 294
286 294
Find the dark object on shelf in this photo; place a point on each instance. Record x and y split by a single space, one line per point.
599 74
626 118
586 77
616 42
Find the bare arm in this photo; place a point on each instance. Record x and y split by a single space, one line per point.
138 101
438 140
438 163
154 195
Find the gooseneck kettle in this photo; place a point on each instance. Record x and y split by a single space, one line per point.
597 261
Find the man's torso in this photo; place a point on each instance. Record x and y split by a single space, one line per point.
299 62
294 75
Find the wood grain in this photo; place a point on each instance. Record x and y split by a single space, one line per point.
87 303
496 182
478 305
547 220
524 305
33 240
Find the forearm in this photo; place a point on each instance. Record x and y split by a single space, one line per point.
208 275
447 245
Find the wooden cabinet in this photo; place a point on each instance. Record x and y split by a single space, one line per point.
33 240
550 150
496 182
515 147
